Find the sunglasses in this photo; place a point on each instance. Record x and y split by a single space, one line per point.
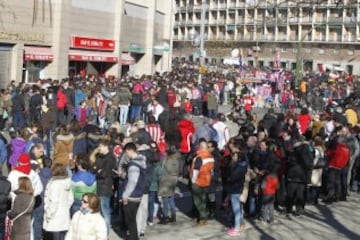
84 201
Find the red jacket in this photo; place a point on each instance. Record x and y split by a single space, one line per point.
339 157
304 122
270 184
187 106
171 98
61 100
187 129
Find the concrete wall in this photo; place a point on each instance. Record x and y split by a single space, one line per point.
144 23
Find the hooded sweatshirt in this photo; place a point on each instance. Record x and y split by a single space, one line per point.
83 182
135 179
18 146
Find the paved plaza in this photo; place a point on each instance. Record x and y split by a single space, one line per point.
336 221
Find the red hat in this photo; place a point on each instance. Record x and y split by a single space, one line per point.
24 165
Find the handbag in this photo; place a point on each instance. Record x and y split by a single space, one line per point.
9 222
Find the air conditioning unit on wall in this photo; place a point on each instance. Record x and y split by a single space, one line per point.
256 48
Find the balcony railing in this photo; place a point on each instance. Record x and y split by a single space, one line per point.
222 6
282 37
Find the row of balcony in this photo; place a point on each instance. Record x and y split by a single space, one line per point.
266 5
270 23
272 37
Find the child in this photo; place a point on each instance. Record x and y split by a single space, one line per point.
187 106
81 113
269 186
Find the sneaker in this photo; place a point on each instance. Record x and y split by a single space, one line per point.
150 224
233 232
141 235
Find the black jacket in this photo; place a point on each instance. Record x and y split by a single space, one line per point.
103 169
236 178
299 163
18 103
35 102
5 188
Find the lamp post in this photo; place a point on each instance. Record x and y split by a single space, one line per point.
299 60
198 39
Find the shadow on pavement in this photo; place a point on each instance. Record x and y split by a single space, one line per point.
330 220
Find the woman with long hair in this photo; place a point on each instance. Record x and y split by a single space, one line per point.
20 214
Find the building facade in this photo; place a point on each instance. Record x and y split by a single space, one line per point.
59 38
315 34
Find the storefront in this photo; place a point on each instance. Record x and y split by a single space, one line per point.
126 61
91 56
36 58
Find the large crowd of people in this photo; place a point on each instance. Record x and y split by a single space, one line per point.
77 151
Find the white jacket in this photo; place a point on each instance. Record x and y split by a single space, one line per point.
90 226
223 134
57 202
14 176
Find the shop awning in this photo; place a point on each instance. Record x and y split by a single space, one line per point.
127 59
38 54
92 56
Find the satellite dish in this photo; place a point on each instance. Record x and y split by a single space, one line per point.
235 53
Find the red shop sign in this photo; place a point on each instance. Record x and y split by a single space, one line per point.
85 58
92 43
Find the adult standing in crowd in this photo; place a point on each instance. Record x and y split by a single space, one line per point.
134 187
200 173
5 203
87 223
58 200
103 165
20 213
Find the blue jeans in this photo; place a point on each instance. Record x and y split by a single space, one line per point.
124 109
105 210
38 217
18 120
135 113
152 201
169 204
237 208
211 113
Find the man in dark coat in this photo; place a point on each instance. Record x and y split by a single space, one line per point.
4 203
103 168
298 167
18 107
35 106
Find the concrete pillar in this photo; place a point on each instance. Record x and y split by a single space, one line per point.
146 63
17 56
58 69
115 70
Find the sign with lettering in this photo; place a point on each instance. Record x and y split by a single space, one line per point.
95 58
92 43
14 36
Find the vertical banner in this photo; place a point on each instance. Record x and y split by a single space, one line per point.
277 59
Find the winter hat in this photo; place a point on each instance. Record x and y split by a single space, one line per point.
23 164
140 124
